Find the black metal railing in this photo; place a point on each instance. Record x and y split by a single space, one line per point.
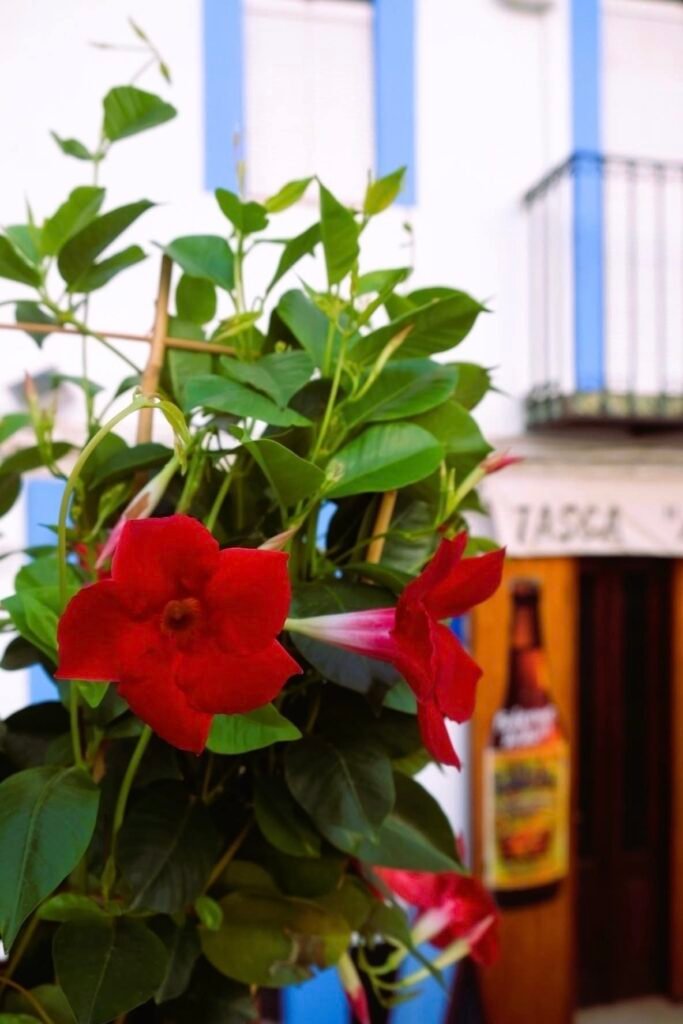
606 292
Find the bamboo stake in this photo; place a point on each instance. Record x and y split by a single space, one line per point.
186 344
382 523
150 376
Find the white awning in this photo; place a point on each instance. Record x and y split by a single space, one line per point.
570 499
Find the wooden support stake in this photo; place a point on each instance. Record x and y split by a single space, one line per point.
382 523
185 344
155 362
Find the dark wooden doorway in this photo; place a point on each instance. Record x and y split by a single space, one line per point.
624 713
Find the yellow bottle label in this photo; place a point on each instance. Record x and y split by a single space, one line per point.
526 815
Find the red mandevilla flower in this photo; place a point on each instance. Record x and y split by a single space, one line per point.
459 907
412 637
185 631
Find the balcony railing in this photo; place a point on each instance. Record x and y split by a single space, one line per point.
606 293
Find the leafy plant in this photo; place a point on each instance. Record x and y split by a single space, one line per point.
310 420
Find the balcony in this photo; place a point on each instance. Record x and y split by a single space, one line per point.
606 294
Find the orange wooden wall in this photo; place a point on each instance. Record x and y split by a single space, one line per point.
533 982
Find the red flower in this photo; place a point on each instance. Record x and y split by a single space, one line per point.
184 630
459 907
427 653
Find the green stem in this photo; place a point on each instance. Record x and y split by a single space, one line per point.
21 947
128 779
221 495
30 998
231 851
70 485
336 381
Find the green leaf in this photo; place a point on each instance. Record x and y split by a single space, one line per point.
237 734
14 267
234 325
12 422
195 299
416 835
273 941
166 848
128 110
35 614
101 273
436 327
17 1018
346 788
291 477
183 366
32 313
26 240
221 395
125 461
381 281
92 693
245 217
279 375
209 912
381 193
49 997
83 248
32 458
108 967
281 821
294 250
72 216
10 489
339 232
473 382
403 389
289 194
455 429
206 256
183 949
69 906
383 458
72 147
309 325
47 818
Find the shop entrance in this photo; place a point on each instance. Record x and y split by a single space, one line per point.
623 765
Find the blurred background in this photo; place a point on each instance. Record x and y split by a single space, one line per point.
544 147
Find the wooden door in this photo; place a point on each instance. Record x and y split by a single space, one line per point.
623 778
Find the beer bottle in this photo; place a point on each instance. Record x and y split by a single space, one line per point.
526 771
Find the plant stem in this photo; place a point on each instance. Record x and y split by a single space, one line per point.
30 998
221 495
336 380
21 947
231 851
128 778
74 476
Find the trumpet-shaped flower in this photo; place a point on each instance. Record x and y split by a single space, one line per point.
184 631
452 907
412 637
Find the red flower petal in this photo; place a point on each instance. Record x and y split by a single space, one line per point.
435 734
437 571
230 684
89 632
414 634
457 675
420 888
158 560
248 597
165 708
469 582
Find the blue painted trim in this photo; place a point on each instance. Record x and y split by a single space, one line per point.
42 511
431 1002
223 92
588 216
394 42
321 999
